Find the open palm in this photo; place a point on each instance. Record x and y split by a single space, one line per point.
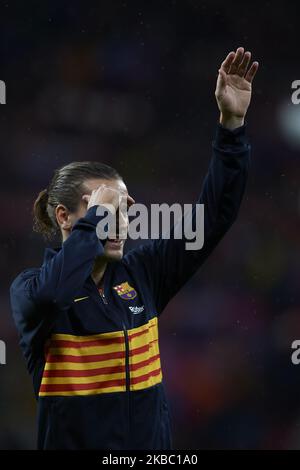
234 84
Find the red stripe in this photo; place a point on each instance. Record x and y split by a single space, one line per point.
98 371
142 378
82 359
139 333
96 385
95 357
74 387
62 343
83 373
145 363
139 350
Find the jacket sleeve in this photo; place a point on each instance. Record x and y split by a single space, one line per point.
167 262
36 294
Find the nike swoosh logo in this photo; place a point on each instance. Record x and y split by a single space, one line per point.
80 298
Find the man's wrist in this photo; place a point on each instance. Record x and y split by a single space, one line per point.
231 122
229 138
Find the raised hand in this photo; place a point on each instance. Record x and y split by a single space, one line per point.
105 195
234 87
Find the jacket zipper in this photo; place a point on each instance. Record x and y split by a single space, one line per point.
126 358
127 375
127 369
102 295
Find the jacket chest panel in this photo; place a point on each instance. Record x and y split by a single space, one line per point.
119 304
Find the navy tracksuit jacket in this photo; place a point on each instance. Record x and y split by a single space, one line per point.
94 358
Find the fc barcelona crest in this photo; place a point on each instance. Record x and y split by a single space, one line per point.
125 291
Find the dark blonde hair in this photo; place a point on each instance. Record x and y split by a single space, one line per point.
66 188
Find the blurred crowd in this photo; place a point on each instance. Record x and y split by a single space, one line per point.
132 84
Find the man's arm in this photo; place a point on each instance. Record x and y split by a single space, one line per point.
167 262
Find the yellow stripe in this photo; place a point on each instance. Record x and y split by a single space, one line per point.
140 341
146 370
151 323
147 383
82 380
153 350
80 298
88 350
84 365
150 330
142 357
64 337
149 337
96 365
84 392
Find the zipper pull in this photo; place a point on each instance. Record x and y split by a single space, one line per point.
102 295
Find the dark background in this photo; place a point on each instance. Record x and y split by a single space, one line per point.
132 84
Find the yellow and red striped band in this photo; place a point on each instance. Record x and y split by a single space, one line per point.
89 365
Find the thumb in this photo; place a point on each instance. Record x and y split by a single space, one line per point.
223 76
221 82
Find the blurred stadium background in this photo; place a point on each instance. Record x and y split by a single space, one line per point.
131 84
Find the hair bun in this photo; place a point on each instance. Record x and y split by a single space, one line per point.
42 221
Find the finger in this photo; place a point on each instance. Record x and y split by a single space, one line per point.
102 186
95 192
130 200
221 83
252 72
244 64
237 60
226 64
86 197
121 192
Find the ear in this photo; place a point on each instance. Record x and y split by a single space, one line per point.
63 218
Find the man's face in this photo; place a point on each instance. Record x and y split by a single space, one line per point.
113 249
